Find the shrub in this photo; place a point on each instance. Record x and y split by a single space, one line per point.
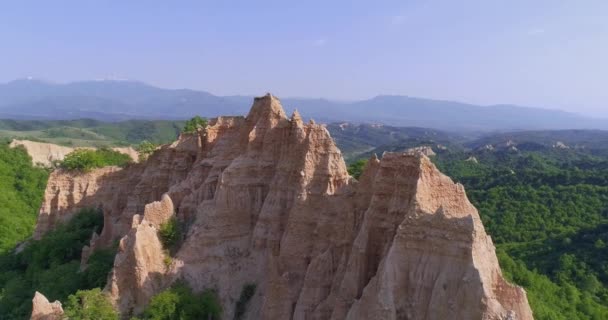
180 303
52 265
194 124
145 149
356 169
89 305
86 160
170 234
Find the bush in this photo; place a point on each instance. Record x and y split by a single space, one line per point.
356 169
145 149
52 265
180 303
90 305
170 234
86 160
194 124
21 189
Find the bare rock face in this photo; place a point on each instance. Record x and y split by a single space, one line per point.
45 153
266 199
44 310
139 268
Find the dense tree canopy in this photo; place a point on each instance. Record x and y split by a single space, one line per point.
86 159
21 189
51 266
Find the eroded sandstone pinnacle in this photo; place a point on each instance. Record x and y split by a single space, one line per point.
267 200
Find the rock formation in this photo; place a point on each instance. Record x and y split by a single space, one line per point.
266 199
45 153
42 309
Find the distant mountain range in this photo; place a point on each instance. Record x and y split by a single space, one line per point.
111 100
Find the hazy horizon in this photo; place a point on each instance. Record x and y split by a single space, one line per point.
543 54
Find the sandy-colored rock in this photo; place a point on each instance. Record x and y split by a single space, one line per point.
42 309
45 153
423 150
267 199
139 268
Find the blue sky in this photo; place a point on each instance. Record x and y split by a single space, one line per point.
550 54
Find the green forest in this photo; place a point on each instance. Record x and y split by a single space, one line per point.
21 190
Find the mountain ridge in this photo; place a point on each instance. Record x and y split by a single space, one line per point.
115 100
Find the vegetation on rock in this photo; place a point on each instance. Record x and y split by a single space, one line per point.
355 169
180 303
86 160
90 305
145 149
170 234
195 124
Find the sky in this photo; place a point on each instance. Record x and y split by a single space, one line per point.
542 53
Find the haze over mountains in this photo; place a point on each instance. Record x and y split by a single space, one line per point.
111 100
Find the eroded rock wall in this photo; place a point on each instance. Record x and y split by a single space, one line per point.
266 199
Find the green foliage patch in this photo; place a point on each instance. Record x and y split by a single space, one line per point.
180 303
86 160
355 169
195 124
90 305
145 149
170 234
51 266
21 189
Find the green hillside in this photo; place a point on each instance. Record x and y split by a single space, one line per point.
92 133
21 189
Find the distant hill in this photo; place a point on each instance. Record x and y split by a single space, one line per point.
360 141
91 133
565 139
121 100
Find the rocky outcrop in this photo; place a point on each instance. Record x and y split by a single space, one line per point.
266 199
423 150
141 262
42 309
45 153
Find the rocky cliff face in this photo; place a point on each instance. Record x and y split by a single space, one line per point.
42 309
266 199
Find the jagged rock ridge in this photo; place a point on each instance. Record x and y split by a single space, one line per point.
267 199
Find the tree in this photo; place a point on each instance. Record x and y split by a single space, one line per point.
145 149
90 305
194 124
180 303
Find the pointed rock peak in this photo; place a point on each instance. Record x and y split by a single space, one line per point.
159 212
311 121
296 118
266 107
42 309
374 157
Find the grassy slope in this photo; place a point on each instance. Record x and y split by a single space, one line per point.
91 133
